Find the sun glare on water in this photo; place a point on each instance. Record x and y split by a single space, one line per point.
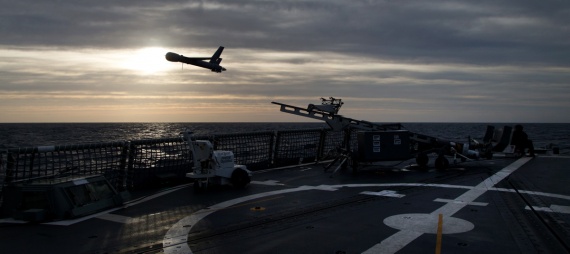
148 61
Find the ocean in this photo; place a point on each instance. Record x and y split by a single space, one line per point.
45 134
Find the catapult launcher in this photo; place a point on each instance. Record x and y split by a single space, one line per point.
385 142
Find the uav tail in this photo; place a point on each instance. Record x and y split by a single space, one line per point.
216 57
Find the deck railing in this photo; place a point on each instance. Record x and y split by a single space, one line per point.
141 164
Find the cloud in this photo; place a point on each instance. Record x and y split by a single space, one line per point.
399 60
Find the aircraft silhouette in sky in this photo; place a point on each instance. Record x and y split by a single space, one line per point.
213 64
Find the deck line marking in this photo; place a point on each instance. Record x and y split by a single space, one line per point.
405 237
560 208
117 218
439 234
325 188
13 221
144 199
537 193
551 209
384 193
73 221
268 182
460 202
539 208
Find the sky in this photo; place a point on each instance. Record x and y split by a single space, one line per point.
389 61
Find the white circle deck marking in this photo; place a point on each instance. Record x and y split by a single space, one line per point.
397 241
427 223
175 240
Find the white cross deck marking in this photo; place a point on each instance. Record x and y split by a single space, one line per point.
399 240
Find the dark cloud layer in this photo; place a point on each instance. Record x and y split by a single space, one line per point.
485 32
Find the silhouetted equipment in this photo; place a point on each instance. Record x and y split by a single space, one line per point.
214 166
384 145
385 142
505 138
213 64
60 198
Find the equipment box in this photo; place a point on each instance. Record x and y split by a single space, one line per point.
383 145
60 198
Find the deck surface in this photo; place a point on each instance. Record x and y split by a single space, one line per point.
505 205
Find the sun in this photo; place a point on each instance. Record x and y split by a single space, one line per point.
147 61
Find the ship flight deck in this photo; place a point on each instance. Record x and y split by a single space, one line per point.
503 205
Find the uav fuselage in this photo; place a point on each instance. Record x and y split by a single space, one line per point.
213 64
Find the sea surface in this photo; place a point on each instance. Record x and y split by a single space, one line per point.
44 134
